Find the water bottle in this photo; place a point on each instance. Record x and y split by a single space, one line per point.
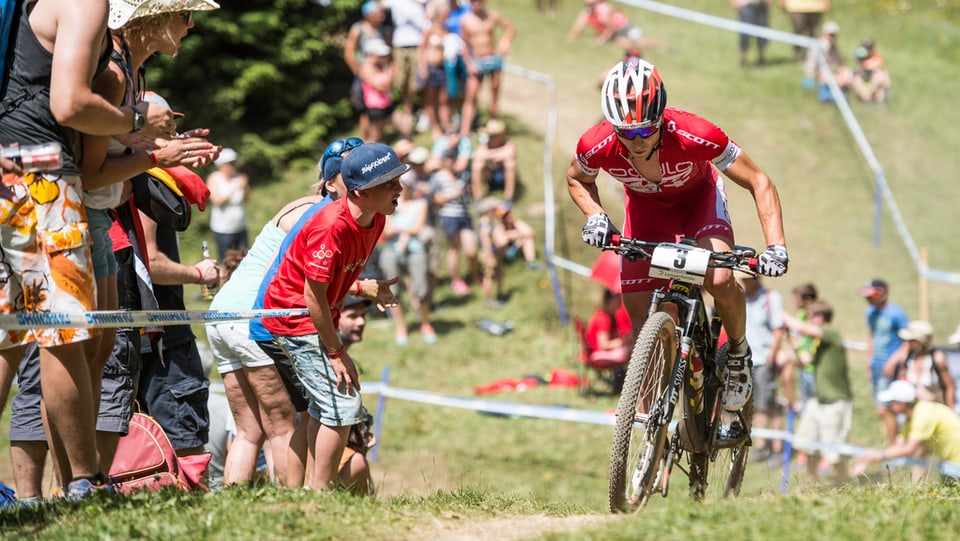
696 382
206 292
34 158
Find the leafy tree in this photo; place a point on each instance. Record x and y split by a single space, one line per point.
266 76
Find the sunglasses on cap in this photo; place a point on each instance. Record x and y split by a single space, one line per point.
642 133
338 147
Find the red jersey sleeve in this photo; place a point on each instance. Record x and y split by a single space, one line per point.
593 147
699 139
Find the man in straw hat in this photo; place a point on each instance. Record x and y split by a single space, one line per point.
495 162
61 46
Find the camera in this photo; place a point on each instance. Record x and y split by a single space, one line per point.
33 158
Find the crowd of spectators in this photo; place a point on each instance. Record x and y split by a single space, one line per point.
913 382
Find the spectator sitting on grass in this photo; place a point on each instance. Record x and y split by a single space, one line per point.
515 237
871 80
491 257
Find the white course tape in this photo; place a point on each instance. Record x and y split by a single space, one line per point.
514 410
118 318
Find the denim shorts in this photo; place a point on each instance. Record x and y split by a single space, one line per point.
453 225
879 382
328 404
25 421
99 223
174 390
232 348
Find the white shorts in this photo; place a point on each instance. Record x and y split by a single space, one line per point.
232 347
827 423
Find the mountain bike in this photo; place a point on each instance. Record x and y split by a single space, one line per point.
676 360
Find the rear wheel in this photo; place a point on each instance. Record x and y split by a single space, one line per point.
640 436
721 470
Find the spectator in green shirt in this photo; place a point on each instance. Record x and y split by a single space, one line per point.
828 415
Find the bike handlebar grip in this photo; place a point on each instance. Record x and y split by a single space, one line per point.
753 263
615 239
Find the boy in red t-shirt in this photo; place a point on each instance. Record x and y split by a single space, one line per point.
321 267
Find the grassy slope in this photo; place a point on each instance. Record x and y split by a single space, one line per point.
491 466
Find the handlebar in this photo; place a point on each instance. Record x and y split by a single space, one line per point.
740 259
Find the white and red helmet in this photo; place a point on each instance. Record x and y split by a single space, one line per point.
633 95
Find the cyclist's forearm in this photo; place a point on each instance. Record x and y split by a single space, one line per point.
769 211
584 194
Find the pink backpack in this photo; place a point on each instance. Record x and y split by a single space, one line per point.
146 459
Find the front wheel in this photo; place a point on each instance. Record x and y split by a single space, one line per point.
642 419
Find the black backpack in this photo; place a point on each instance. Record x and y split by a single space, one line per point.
9 24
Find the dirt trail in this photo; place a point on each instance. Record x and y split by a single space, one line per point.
455 528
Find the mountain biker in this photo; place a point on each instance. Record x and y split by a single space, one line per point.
663 157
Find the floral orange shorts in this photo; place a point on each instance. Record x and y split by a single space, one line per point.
45 262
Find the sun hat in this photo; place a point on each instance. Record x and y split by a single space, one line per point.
124 11
227 155
873 288
487 204
831 28
370 165
504 208
954 339
921 331
418 156
899 391
494 127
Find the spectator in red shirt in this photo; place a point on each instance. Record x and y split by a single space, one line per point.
608 331
321 267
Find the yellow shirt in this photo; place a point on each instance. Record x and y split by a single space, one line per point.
806 6
938 427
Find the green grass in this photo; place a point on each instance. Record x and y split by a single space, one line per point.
447 473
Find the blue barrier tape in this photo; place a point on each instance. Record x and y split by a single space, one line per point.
22 321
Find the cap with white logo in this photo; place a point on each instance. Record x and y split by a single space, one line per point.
370 165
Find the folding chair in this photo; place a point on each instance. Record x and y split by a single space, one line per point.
608 374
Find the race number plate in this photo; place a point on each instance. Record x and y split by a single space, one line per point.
679 262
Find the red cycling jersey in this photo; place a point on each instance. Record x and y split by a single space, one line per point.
688 201
688 144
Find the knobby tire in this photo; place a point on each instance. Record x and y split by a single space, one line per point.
727 467
638 447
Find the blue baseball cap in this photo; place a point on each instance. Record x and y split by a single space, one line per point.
331 167
370 165
369 7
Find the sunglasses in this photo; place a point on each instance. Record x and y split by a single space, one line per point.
338 147
642 133
187 16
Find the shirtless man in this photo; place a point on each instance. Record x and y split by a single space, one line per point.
483 58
